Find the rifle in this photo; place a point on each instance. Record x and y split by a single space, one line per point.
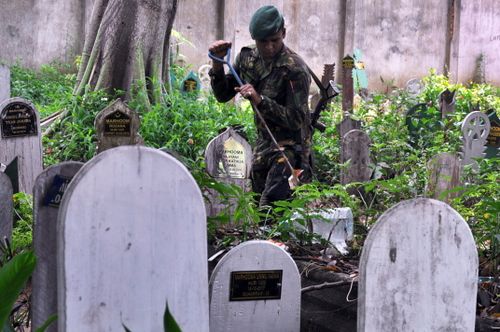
328 91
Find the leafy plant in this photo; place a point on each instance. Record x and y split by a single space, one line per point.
13 277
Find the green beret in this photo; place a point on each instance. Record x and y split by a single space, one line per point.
265 22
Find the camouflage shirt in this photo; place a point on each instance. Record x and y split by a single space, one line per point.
283 84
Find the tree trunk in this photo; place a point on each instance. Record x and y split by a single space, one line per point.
126 47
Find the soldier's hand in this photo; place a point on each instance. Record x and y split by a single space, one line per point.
219 48
249 92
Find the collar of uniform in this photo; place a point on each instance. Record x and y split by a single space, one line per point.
278 61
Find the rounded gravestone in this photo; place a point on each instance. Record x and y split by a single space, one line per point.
20 137
132 236
48 191
255 287
418 271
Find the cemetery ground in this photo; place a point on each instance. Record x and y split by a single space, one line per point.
399 154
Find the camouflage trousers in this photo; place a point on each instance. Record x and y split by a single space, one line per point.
272 181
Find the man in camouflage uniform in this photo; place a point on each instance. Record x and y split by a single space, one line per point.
277 83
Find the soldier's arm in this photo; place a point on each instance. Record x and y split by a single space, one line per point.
223 84
294 113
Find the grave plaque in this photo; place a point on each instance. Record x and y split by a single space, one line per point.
20 137
47 194
475 130
6 206
132 236
255 287
117 125
18 119
418 271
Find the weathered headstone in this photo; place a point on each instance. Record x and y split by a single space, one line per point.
346 125
132 236
355 149
48 191
117 125
475 130
255 287
20 137
4 83
204 76
228 158
444 174
6 206
493 140
414 86
447 103
347 84
418 271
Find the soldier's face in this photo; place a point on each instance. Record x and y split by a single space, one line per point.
271 45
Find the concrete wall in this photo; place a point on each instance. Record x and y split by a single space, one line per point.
400 39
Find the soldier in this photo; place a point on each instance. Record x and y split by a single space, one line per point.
277 83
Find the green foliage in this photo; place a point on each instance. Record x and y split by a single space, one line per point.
47 88
23 221
13 277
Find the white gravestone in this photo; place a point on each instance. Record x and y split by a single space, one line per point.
355 149
6 206
418 271
255 287
132 236
334 225
228 158
20 137
4 82
444 175
117 125
48 191
475 130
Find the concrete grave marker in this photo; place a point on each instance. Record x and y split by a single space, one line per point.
414 86
20 137
6 206
4 83
132 236
418 271
117 125
355 149
204 77
493 140
228 158
475 130
346 125
444 174
255 287
48 191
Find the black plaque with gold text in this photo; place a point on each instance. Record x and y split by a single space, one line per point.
117 124
255 285
18 119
